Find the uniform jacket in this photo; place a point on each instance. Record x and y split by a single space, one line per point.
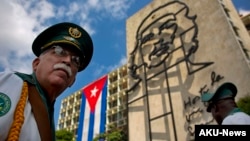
11 84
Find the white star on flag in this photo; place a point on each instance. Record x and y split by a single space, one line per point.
93 92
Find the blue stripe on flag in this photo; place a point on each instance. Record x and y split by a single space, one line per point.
103 108
81 118
91 126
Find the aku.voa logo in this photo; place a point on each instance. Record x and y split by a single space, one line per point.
5 104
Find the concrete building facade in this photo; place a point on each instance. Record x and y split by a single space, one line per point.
176 51
246 21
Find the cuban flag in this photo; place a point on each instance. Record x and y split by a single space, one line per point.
93 110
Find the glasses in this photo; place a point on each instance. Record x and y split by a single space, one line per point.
59 51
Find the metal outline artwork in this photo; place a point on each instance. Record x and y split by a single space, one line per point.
161 48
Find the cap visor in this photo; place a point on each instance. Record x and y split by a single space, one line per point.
206 97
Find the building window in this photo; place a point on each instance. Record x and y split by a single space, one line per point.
123 73
113 78
61 126
75 119
68 123
113 90
79 97
63 115
123 85
77 108
113 104
64 105
70 111
71 101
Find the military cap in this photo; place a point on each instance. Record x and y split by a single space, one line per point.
226 90
66 33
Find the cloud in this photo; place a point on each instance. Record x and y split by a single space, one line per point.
117 8
243 11
101 69
21 21
18 26
111 8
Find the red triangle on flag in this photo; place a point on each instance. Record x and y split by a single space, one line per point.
92 92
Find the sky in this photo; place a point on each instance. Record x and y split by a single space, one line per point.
105 20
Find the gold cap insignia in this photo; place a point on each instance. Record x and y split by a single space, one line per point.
74 32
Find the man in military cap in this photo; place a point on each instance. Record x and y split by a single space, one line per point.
27 100
223 107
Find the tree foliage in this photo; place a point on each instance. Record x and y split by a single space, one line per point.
244 104
64 135
115 134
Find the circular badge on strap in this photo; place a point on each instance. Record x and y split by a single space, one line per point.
5 104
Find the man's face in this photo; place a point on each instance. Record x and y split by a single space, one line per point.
158 43
216 111
56 69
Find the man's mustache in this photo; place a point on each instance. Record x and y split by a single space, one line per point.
64 67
